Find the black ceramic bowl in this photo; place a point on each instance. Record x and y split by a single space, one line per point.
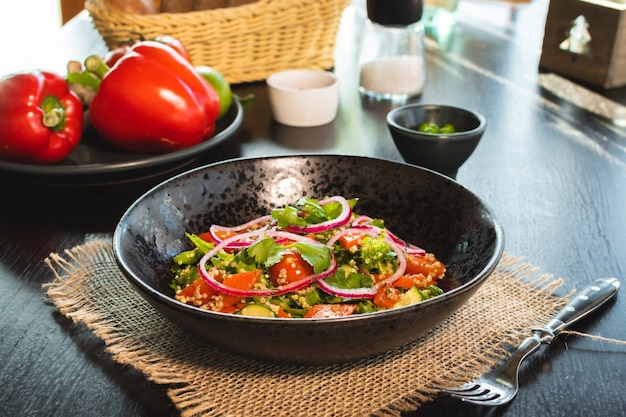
421 206
444 153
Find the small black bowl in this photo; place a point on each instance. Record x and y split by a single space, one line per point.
421 206
442 152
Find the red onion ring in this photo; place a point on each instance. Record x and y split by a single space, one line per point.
360 220
348 293
284 236
214 228
408 247
294 286
414 250
341 220
401 263
365 292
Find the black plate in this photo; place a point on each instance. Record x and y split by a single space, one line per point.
421 206
95 162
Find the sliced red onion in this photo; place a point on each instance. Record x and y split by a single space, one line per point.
415 250
408 247
214 228
267 219
294 286
348 293
401 262
356 230
361 220
341 220
365 292
285 236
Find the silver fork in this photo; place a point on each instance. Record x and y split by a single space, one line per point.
499 386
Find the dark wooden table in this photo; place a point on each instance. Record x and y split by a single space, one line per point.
552 167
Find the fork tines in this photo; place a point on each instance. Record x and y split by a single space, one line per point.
470 392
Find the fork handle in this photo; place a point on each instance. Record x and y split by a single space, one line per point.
588 300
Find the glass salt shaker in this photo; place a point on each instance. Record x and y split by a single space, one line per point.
391 60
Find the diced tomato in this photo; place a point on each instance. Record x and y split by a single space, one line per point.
229 302
351 241
198 290
417 280
200 293
319 311
291 268
242 280
405 282
387 296
206 236
425 265
379 277
230 309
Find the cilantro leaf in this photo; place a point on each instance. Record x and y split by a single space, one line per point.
352 280
260 251
313 212
274 255
287 216
318 256
308 211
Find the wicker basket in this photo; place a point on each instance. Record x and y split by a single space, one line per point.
245 43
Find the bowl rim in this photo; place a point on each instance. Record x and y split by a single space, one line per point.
392 123
172 302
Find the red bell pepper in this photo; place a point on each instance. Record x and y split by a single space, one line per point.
175 44
153 100
41 120
114 55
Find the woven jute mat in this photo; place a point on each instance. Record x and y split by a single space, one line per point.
203 380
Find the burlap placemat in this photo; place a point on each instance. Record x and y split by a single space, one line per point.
203 380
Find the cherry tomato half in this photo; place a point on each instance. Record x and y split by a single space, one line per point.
291 268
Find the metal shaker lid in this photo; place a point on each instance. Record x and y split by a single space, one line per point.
394 12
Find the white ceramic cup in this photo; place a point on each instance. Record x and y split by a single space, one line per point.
303 97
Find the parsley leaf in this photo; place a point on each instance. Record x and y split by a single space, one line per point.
287 216
352 280
308 211
312 211
318 256
260 251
